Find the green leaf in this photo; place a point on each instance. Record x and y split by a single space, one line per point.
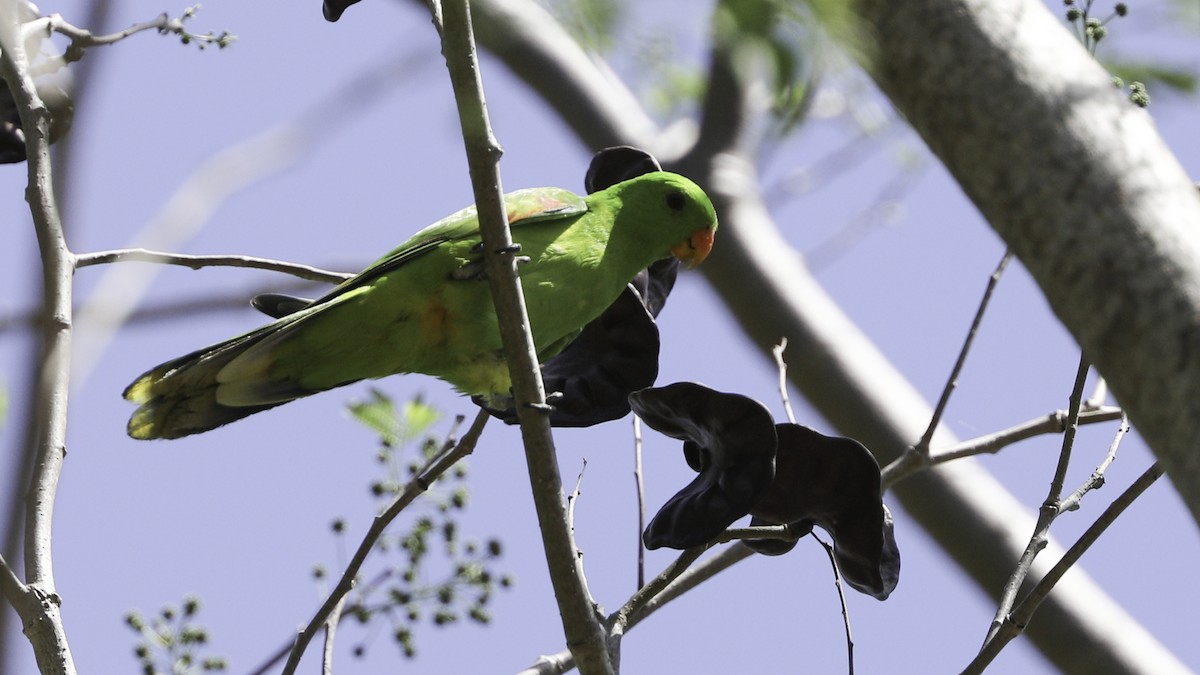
394 428
379 415
1176 78
418 417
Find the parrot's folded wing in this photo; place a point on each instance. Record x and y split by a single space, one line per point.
526 206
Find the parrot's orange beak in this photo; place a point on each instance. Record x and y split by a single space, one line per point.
696 248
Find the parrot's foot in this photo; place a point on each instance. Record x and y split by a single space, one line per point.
472 271
475 271
513 250
547 407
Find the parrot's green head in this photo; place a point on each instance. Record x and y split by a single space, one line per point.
664 214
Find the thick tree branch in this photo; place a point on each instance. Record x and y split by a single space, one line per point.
42 619
1077 182
581 625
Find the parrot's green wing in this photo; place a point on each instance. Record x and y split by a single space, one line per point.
523 207
170 397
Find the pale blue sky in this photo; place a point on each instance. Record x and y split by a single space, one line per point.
240 516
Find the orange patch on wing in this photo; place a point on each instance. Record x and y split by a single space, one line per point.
544 204
434 320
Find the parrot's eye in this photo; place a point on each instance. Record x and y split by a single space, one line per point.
675 200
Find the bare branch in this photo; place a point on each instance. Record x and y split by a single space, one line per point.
1096 480
425 477
197 262
639 482
841 591
11 586
573 498
581 625
331 624
1064 456
1016 622
41 618
922 446
684 581
82 39
783 384
1053 423
1049 510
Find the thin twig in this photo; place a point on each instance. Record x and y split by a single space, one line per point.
11 586
573 498
1064 456
82 39
952 382
619 620
647 605
781 532
1049 510
269 663
917 457
777 351
426 476
639 482
1052 423
1096 480
1098 395
197 262
1014 624
841 591
331 625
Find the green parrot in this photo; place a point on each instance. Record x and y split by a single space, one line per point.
426 308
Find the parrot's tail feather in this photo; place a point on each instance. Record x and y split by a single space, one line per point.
180 397
175 417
